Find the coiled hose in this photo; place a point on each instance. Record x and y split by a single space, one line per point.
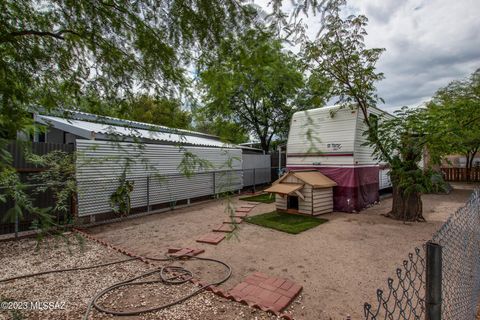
180 275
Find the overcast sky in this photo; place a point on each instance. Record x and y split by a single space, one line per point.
428 44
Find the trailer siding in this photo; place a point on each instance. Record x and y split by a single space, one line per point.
317 138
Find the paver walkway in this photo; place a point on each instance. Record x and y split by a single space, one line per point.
265 291
227 226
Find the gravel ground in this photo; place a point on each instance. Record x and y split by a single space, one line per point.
340 263
76 288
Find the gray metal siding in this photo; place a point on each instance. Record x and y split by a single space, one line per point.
262 165
100 164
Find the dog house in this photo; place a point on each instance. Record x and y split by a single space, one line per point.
306 192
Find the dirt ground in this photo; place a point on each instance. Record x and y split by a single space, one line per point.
340 263
75 289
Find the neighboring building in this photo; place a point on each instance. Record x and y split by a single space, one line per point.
460 161
153 157
306 192
332 141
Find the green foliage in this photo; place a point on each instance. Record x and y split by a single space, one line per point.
286 222
120 200
192 164
13 189
454 119
57 175
340 55
403 140
144 108
228 131
254 83
55 53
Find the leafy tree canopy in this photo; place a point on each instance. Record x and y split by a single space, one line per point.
144 108
52 52
228 131
454 120
254 83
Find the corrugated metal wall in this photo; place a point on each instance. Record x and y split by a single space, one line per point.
101 163
258 167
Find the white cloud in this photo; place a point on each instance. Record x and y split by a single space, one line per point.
428 44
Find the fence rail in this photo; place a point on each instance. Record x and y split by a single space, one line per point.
460 174
441 279
149 193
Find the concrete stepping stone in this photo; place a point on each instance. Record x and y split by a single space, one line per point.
224 227
212 238
266 291
251 206
243 209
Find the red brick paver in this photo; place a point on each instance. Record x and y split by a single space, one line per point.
212 238
180 252
225 227
233 220
268 292
251 206
240 214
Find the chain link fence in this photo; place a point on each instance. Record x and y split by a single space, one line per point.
149 193
441 279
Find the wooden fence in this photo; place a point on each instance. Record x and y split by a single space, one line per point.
43 199
460 174
17 151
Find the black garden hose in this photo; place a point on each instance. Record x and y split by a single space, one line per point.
178 277
172 280
65 270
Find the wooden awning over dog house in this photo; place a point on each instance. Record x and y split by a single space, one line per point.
284 188
307 192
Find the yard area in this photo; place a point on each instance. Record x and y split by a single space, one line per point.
340 263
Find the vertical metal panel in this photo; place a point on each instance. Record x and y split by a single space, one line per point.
101 163
261 163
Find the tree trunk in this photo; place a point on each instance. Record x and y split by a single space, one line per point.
264 144
406 207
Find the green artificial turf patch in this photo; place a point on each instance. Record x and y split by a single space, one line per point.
286 222
264 197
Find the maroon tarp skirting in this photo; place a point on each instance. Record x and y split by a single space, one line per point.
356 188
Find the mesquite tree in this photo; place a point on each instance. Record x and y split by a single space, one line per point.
340 55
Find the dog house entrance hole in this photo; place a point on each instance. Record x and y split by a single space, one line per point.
292 202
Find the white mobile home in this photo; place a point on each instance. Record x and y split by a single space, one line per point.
331 140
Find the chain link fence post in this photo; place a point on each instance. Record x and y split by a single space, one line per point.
148 193
214 186
433 282
16 222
